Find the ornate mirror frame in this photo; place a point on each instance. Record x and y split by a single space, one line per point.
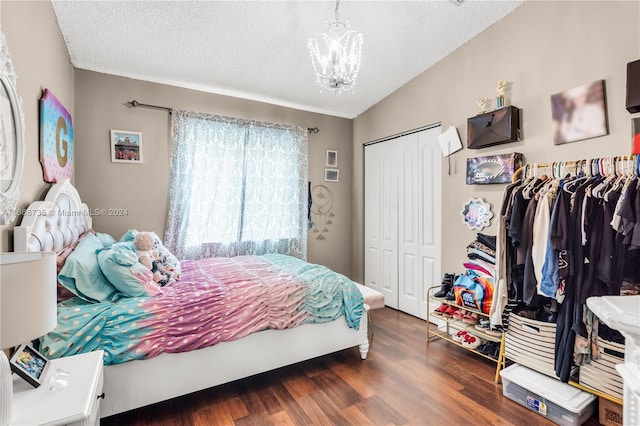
476 214
11 137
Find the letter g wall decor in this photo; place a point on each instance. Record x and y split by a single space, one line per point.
56 139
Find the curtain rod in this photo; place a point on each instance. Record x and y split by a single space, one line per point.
135 104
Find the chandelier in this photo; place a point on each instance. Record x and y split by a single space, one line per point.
335 55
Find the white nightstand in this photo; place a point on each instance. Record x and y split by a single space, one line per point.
77 404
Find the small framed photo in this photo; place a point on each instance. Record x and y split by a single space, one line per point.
332 158
126 147
29 364
331 175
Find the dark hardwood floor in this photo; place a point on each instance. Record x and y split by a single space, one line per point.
404 381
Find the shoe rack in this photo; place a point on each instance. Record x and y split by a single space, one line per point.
453 325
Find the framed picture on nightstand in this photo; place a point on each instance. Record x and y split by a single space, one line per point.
29 364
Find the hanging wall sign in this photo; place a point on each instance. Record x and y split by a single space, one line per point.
56 139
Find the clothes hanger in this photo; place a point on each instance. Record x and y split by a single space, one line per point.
621 179
605 169
570 183
527 190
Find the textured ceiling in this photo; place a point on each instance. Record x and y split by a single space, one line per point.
258 49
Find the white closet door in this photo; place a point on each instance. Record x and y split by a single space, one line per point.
419 209
402 218
409 274
381 222
430 157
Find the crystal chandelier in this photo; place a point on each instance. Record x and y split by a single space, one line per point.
335 55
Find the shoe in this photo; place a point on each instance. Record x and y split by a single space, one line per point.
450 311
470 318
459 314
494 332
471 342
483 324
490 349
447 283
451 295
459 336
440 309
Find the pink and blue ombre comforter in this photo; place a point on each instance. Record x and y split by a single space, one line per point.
217 300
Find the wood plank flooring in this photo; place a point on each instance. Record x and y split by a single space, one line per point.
404 381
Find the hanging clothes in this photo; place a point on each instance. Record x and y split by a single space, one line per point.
562 240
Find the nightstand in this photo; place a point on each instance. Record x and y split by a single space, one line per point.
77 404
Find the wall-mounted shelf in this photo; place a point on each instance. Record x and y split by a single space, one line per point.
493 128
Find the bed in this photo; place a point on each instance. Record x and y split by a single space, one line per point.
60 220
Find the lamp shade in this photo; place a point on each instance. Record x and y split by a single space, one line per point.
27 296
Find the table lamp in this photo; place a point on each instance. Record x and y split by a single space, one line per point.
27 310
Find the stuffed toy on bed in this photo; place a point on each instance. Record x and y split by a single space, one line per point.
168 265
147 254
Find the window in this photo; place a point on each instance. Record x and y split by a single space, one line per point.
237 187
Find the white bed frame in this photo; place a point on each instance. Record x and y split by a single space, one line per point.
56 222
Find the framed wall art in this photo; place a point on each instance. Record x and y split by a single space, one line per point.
579 113
126 147
332 158
331 175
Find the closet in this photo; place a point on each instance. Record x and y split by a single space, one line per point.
402 215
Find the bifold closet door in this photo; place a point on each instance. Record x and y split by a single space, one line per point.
430 177
402 218
381 221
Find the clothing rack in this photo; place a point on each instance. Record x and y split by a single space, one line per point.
605 166
136 104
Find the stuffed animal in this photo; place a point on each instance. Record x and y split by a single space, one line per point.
145 248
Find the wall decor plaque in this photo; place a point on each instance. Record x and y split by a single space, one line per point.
493 168
56 139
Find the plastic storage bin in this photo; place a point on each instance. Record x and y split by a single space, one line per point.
559 402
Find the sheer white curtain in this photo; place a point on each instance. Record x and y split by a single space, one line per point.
236 187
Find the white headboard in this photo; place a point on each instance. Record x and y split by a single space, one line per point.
54 223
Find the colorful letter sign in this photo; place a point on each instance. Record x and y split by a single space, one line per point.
56 139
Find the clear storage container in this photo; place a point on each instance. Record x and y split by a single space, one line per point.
559 402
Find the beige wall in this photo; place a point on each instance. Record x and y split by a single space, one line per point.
542 48
40 59
143 189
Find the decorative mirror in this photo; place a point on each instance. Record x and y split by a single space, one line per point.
476 214
11 137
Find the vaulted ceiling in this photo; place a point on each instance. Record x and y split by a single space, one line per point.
258 49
